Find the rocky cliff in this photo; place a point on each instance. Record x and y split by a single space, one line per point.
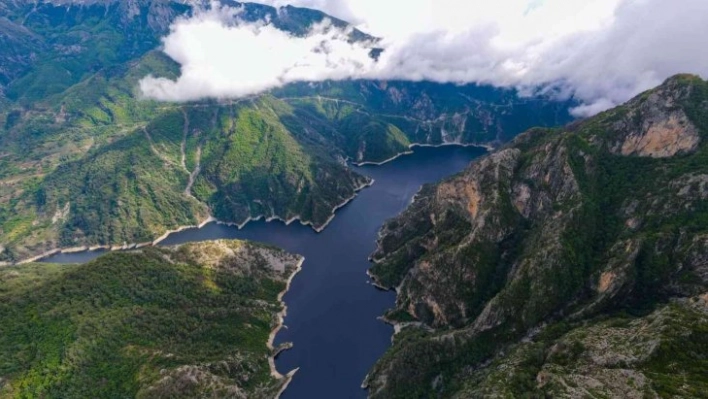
536 244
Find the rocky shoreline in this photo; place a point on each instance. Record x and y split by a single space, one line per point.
210 219
342 205
393 158
487 146
280 324
375 282
287 378
241 225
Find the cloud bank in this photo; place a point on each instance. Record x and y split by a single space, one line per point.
602 52
223 57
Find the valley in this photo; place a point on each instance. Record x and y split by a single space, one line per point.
90 163
332 308
217 199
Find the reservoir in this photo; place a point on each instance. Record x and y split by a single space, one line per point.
332 306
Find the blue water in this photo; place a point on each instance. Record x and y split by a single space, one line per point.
332 307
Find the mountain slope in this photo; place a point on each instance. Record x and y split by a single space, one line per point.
190 321
549 233
86 161
75 39
233 162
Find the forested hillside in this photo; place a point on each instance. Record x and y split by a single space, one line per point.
190 321
86 161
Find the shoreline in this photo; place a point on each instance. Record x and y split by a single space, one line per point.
343 204
283 379
212 219
208 220
487 146
398 326
111 248
376 284
279 325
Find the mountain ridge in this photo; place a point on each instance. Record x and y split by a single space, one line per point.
555 229
89 163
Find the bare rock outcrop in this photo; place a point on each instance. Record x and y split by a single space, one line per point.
555 232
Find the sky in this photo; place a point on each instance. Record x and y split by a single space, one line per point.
602 52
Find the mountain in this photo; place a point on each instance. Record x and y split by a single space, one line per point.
85 161
572 262
178 322
54 44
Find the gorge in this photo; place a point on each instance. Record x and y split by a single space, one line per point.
217 199
332 308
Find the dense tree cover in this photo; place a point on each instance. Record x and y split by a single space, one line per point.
85 160
127 324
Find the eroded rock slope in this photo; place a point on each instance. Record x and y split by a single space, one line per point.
538 244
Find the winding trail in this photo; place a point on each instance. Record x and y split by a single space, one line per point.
360 108
198 155
155 151
193 175
183 146
320 98
183 152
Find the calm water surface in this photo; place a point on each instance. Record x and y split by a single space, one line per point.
332 307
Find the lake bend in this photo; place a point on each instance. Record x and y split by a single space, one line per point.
332 305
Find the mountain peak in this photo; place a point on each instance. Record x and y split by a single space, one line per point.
656 123
675 88
679 87
682 79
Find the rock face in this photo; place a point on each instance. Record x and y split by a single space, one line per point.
666 138
655 125
619 357
531 246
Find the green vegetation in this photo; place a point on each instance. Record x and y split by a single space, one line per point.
120 193
558 231
661 355
84 160
177 322
261 168
65 58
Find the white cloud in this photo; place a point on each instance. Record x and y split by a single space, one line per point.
601 51
222 57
